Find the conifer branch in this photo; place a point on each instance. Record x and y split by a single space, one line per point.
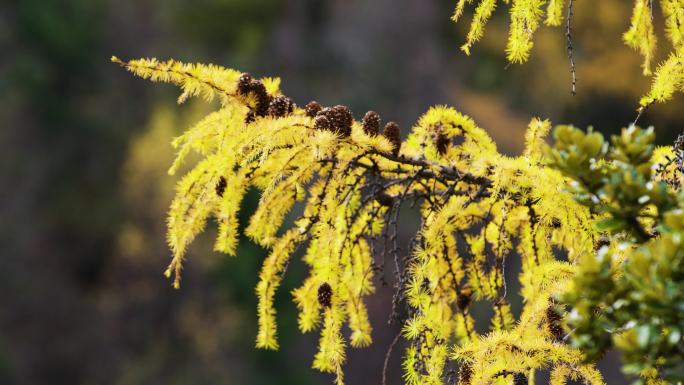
477 208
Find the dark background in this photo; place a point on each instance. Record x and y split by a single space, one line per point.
85 148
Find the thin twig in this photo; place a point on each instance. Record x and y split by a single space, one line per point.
571 57
387 357
642 109
503 257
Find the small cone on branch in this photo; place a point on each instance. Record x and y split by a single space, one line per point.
325 295
312 108
554 324
322 122
280 106
262 97
341 119
465 373
221 186
338 119
248 86
371 123
393 133
244 82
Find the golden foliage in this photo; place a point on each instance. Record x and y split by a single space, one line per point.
526 16
668 79
477 208
640 35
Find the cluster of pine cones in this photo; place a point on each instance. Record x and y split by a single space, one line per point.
338 119
266 105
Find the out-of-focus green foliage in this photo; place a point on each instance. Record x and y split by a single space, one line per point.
631 293
613 180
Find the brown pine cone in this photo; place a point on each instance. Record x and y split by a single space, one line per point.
341 119
322 122
312 108
325 295
465 373
248 86
263 99
554 324
244 84
393 133
371 123
280 106
221 186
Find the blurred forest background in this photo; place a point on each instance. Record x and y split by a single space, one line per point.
85 149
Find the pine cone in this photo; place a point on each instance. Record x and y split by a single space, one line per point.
221 186
312 108
393 133
325 295
263 99
322 122
341 119
371 123
280 106
244 84
465 373
554 324
248 86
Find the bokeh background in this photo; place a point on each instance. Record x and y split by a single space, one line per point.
85 147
